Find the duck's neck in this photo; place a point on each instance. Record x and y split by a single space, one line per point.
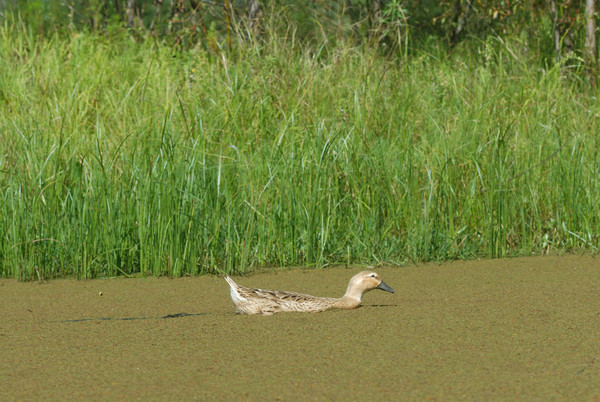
351 299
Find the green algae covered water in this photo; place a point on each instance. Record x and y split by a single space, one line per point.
522 328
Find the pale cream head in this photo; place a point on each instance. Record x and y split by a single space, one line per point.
363 282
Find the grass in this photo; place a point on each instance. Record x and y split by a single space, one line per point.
124 158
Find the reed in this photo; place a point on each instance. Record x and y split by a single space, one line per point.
123 158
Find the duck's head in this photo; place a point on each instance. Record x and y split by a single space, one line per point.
365 281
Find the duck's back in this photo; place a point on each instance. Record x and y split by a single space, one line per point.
266 302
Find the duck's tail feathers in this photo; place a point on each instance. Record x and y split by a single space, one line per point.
234 290
230 282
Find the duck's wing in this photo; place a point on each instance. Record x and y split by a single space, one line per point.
276 301
276 295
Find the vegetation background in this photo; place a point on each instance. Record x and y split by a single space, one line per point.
186 137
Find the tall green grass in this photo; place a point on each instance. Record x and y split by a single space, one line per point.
121 158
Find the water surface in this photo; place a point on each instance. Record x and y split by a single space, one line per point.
519 328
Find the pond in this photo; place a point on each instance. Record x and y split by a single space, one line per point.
519 328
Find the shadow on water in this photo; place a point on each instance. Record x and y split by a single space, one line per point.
380 305
178 315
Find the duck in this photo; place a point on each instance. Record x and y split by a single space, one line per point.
268 302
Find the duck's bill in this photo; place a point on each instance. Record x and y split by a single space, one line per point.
385 287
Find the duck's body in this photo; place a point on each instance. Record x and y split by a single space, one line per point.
267 302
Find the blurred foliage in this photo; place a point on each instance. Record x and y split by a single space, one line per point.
391 24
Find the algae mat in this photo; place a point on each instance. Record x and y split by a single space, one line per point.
523 328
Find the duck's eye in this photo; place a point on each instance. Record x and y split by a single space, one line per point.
373 275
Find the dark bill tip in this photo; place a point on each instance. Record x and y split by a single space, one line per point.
385 287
